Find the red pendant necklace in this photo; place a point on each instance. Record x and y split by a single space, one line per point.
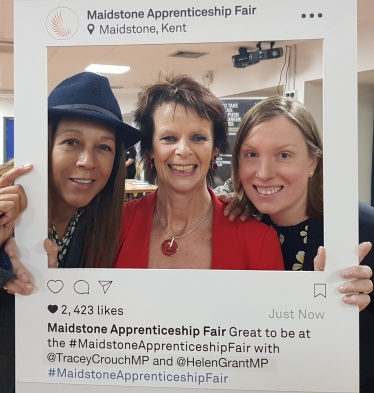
170 247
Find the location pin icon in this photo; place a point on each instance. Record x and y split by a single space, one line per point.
91 28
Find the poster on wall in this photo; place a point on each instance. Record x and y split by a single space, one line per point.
235 108
138 330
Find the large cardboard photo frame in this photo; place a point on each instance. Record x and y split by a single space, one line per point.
193 299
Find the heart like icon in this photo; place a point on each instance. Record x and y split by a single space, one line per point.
55 286
52 308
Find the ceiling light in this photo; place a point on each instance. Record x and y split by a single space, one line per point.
107 69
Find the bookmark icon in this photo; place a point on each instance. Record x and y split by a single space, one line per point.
320 290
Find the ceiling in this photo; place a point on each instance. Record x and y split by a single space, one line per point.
66 61
145 61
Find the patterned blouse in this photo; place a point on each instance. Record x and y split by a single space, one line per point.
64 242
293 240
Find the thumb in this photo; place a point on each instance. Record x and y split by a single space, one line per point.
320 260
363 249
52 251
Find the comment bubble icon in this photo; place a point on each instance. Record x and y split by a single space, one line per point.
82 287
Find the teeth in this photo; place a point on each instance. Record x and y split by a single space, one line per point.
82 181
183 168
268 190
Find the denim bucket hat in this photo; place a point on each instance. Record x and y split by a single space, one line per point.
88 95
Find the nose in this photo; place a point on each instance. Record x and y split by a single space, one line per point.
183 148
87 159
265 170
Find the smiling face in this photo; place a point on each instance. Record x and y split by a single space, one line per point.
274 168
82 160
182 147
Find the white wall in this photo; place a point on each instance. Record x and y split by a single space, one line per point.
313 99
365 52
365 141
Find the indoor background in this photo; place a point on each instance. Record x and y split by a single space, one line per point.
300 70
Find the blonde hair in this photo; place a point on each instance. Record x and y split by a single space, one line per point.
297 113
4 168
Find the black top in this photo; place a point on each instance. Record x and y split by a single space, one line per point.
293 240
131 170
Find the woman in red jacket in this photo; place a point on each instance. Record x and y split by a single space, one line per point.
181 226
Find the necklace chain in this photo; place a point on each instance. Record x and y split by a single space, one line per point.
187 233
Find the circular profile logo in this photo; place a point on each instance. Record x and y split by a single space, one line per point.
62 23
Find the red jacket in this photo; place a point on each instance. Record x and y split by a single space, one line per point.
237 245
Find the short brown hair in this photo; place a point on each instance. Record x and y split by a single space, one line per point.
180 90
297 113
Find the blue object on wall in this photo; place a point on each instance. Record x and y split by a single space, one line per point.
9 139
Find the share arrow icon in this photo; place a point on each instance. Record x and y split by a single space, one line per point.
106 285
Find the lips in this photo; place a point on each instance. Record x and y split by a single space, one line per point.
268 190
183 168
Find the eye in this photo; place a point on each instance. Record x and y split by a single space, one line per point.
70 142
198 138
105 148
251 154
169 138
284 155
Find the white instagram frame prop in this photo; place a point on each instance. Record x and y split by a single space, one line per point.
323 355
